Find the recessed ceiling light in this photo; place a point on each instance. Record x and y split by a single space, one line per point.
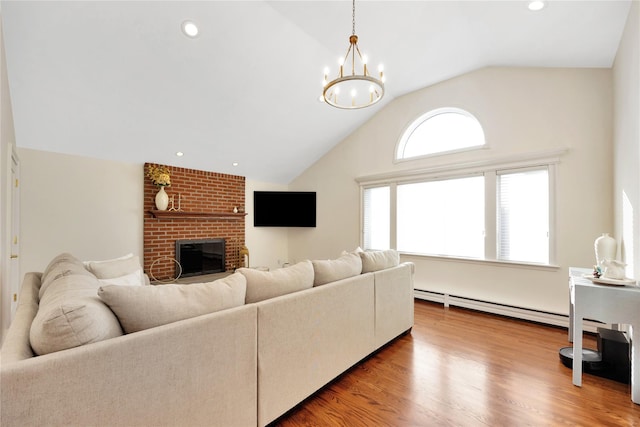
179 154
235 163
190 29
536 5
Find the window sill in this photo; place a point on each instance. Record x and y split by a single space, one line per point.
493 262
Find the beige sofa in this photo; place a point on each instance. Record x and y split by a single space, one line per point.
240 366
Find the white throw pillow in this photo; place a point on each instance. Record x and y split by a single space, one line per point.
326 271
133 279
355 251
144 307
262 285
112 268
379 260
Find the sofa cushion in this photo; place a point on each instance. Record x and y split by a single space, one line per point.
70 314
64 264
144 307
121 269
262 285
379 260
326 271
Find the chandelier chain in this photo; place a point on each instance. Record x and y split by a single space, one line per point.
353 18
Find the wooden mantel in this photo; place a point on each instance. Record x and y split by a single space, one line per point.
196 215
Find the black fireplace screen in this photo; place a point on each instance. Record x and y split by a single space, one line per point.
201 256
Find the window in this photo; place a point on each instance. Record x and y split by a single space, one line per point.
440 131
523 216
481 211
442 217
377 217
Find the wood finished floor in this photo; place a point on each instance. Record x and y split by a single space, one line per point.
464 368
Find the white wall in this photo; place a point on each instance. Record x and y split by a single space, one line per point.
268 246
93 209
626 79
522 110
88 207
7 137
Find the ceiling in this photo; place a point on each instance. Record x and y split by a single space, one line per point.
119 80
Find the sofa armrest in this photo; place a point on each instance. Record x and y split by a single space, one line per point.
394 302
199 371
17 345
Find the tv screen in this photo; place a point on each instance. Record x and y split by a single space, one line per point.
284 209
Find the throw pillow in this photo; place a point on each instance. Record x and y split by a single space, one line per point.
64 264
134 279
144 307
355 251
379 260
70 315
331 270
262 285
117 267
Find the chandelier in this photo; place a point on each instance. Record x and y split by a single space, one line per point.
353 90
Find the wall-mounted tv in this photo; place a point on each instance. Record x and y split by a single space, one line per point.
284 209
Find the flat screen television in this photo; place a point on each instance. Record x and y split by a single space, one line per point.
284 209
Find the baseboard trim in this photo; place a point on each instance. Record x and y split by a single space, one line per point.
553 319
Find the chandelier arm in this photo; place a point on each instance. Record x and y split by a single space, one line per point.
346 58
353 60
365 72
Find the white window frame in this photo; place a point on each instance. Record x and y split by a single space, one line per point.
489 168
416 123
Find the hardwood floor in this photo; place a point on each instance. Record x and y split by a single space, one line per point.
465 368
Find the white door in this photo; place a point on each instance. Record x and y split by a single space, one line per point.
14 267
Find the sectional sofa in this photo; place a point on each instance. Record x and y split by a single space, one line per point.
240 351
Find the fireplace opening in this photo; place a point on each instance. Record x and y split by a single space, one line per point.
201 256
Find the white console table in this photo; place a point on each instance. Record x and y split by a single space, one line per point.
610 304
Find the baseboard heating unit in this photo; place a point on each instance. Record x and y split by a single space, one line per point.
503 310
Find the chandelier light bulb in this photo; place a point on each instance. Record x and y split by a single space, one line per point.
337 91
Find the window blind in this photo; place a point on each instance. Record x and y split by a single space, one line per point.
523 215
376 222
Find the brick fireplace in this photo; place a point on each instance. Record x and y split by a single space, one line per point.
207 201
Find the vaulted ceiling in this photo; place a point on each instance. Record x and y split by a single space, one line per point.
119 80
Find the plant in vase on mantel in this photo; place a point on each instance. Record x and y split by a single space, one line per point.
160 177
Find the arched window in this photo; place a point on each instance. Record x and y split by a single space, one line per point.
440 131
